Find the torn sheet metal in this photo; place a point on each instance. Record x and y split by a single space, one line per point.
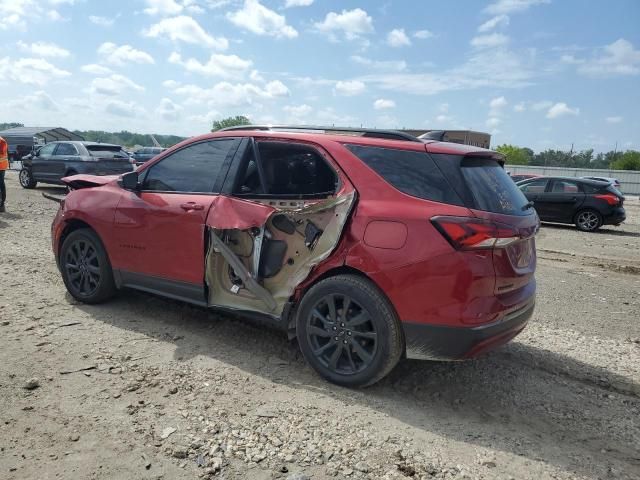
246 249
234 213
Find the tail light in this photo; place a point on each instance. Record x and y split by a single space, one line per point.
466 233
610 198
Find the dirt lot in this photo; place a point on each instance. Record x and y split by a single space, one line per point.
143 387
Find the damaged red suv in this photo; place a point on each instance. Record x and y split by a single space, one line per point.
365 245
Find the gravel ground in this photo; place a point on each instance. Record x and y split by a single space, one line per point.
143 387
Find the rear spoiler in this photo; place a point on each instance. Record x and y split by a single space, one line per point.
498 157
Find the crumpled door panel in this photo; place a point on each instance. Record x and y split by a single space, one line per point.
258 254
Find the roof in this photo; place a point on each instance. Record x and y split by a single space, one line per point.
49 134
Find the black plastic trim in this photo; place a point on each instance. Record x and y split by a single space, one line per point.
184 291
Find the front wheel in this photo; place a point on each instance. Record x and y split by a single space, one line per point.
348 331
26 179
588 220
85 268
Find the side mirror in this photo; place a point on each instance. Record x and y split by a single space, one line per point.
129 181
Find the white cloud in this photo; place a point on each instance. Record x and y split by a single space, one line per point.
486 68
43 49
390 65
39 100
226 94
542 105
497 21
163 7
349 88
122 54
512 6
95 69
570 59
561 109
169 110
382 104
493 122
489 41
298 111
297 3
218 65
123 109
15 13
519 107
397 38
496 105
257 18
31 71
54 16
113 85
423 34
101 21
617 58
613 119
185 29
352 23
171 84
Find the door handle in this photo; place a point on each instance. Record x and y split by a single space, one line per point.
191 206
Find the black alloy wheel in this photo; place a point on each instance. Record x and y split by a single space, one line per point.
348 331
342 334
85 267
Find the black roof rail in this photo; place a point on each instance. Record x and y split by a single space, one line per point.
364 132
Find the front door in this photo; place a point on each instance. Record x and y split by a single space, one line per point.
160 229
41 165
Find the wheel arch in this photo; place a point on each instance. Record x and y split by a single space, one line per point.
76 224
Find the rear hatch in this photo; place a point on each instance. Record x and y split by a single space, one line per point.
504 221
111 158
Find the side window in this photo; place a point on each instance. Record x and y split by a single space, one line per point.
48 149
535 186
285 170
586 188
194 168
564 186
413 173
66 149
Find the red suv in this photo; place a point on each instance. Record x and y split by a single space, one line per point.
365 245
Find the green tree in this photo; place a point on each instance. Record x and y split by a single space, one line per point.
630 160
7 126
230 122
514 155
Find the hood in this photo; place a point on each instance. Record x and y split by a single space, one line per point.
77 182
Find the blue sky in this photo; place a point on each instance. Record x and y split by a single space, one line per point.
536 73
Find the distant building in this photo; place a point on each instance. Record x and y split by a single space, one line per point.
22 139
466 137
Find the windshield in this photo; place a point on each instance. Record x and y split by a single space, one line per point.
492 189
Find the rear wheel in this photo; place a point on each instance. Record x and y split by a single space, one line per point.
348 331
85 268
588 220
26 178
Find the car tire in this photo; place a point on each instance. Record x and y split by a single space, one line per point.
352 348
25 177
588 220
85 267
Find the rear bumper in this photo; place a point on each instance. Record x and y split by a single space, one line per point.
616 217
436 342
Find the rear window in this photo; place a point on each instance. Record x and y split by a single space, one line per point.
413 173
106 151
491 187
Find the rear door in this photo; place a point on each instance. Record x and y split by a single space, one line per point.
41 164
563 200
108 159
160 229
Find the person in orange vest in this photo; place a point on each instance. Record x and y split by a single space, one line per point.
4 166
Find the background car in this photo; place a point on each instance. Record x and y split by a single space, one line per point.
53 161
613 181
436 261
588 204
145 154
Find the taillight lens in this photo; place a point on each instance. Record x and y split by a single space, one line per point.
610 198
467 233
